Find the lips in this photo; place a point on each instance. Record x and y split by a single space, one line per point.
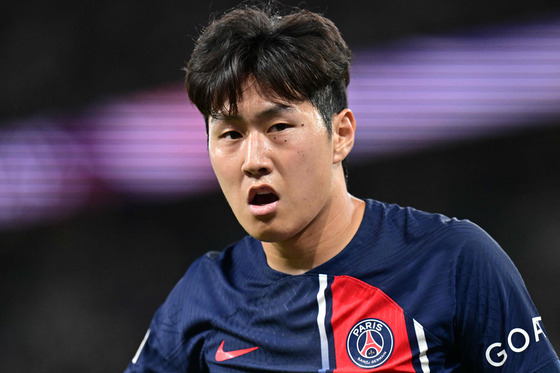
263 200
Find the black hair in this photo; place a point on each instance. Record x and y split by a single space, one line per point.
295 56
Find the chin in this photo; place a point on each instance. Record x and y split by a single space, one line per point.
267 234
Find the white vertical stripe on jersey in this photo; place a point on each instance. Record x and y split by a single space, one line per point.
137 355
321 315
422 346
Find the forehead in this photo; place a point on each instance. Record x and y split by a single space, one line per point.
256 104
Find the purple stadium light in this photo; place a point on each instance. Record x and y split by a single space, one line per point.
426 91
411 95
150 144
44 172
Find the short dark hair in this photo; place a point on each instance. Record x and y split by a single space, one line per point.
296 56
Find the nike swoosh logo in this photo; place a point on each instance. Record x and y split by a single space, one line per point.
222 355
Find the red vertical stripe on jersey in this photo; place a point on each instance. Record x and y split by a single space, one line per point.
354 301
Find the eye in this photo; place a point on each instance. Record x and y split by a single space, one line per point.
231 135
279 127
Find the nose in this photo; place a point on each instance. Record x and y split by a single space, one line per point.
256 151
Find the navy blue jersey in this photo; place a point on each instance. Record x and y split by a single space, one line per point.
412 292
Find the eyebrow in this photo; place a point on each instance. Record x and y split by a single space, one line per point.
275 110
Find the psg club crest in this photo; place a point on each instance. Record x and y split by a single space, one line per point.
370 343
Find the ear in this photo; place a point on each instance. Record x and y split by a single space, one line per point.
343 131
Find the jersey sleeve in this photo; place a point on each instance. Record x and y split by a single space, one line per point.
498 328
175 336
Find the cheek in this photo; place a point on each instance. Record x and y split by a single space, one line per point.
316 156
223 169
219 158
313 167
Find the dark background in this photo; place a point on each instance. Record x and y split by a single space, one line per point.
78 293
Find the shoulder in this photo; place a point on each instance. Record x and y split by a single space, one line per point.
203 294
437 249
428 231
216 268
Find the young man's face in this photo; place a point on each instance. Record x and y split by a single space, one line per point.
275 163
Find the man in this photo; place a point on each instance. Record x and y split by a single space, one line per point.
324 281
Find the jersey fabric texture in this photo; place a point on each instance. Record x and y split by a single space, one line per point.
412 292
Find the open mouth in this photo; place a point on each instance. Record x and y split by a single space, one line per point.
263 198
263 201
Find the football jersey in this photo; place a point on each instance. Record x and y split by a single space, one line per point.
412 292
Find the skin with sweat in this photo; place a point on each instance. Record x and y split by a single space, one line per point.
281 174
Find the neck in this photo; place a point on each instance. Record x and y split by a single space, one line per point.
332 231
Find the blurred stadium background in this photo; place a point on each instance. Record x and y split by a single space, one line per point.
106 192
